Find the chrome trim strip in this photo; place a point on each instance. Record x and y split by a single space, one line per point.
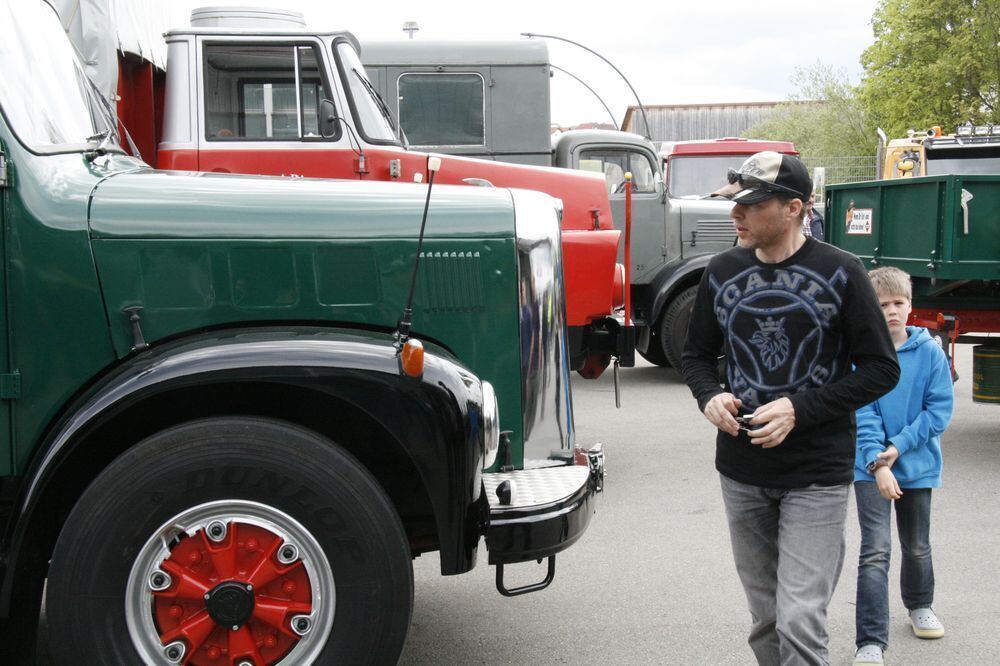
546 395
491 425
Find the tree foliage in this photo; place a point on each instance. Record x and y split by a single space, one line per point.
934 62
823 117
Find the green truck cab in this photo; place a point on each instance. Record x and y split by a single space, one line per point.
212 447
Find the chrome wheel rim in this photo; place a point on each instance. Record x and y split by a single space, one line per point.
287 624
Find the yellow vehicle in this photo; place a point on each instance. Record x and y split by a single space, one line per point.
972 149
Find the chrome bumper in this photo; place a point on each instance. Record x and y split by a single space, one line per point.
536 513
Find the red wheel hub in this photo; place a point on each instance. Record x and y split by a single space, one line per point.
232 600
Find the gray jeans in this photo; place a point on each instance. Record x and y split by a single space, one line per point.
788 545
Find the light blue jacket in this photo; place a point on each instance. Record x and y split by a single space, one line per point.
912 416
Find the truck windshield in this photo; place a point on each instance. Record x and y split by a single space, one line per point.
373 115
964 161
698 175
46 98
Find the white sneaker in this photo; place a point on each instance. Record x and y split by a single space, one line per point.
868 655
925 623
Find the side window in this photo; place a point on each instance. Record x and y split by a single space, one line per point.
442 109
612 163
642 173
259 93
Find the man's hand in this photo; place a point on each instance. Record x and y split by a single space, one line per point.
778 419
890 455
721 412
888 486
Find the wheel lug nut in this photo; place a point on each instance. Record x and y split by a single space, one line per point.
288 553
301 624
159 580
174 652
216 530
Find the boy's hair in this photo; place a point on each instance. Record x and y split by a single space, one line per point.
891 281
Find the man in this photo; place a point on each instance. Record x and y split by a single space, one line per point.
812 223
792 316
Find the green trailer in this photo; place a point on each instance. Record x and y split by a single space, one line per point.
945 232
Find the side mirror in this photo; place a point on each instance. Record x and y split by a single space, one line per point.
327 119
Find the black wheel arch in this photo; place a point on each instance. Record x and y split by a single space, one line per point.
671 280
344 385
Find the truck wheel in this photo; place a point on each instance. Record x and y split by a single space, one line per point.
654 353
674 325
231 541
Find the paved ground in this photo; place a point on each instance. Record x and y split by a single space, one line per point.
652 581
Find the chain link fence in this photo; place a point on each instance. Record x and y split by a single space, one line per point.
845 169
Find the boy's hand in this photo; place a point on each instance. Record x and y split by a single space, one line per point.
890 455
888 486
778 418
721 412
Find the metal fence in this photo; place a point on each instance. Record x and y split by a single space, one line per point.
845 169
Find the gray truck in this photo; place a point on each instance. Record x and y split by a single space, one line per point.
492 100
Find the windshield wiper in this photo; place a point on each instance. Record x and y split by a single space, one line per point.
102 147
379 102
111 120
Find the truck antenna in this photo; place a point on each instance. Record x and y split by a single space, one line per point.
406 321
592 91
645 120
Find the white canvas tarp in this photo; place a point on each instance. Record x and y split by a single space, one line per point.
100 28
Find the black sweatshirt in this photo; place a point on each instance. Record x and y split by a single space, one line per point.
791 329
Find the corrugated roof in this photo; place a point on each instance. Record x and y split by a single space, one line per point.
681 122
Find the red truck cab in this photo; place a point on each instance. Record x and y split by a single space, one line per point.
274 98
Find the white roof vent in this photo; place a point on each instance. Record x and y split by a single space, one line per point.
253 18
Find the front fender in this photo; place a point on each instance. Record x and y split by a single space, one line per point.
671 278
435 419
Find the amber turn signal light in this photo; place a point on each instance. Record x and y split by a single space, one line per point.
412 358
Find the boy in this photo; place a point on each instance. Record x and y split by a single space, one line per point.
898 462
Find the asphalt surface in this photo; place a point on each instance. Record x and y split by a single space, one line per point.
652 580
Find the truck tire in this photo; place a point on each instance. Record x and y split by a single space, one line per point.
674 325
247 539
654 353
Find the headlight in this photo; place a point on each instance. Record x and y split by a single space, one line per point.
491 425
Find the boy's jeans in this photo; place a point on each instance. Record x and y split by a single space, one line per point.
916 580
788 545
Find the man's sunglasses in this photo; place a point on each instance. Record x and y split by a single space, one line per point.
754 183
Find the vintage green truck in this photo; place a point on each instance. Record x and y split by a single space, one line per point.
218 444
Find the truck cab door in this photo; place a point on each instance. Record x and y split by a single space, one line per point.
650 247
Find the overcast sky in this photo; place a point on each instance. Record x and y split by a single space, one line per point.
673 52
